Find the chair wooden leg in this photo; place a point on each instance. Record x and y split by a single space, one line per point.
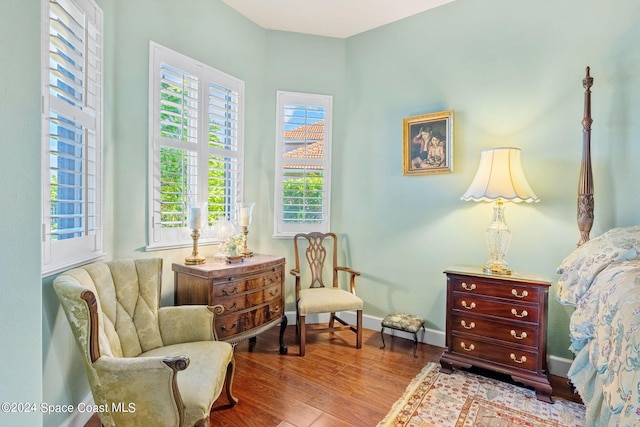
303 334
359 331
228 382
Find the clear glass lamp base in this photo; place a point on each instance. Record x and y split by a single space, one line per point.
498 241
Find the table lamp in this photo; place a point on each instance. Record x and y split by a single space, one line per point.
499 178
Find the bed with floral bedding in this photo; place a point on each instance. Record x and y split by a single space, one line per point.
601 279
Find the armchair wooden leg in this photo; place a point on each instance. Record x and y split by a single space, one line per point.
303 334
231 368
359 331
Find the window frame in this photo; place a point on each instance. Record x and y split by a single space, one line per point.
86 88
284 98
160 237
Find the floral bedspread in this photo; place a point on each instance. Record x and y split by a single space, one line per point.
602 280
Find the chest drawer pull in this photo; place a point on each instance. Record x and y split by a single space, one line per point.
232 306
275 310
515 313
465 348
230 291
464 325
468 287
521 360
274 292
521 337
470 306
514 292
233 326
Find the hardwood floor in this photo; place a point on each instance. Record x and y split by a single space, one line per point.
332 385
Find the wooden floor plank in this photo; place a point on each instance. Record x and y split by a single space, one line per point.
333 385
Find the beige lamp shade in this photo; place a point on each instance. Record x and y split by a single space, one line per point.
500 177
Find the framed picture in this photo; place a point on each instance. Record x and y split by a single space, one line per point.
428 144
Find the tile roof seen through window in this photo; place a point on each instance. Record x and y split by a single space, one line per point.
309 143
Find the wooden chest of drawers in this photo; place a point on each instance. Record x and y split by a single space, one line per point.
498 323
251 292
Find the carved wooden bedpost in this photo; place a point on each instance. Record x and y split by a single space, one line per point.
585 184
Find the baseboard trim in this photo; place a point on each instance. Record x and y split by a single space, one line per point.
557 365
77 418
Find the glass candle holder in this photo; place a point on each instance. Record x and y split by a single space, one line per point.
196 220
245 214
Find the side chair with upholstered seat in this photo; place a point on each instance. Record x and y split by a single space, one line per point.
318 297
163 365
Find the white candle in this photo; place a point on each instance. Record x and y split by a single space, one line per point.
195 220
244 217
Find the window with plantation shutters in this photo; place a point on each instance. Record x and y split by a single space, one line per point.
303 173
196 123
71 133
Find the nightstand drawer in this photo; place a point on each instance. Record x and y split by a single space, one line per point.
487 287
499 323
465 303
513 333
507 356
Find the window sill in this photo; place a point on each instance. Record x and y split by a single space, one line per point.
166 246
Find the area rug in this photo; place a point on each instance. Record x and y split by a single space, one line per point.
464 399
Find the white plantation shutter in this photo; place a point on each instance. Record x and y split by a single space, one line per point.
72 133
303 163
196 122
224 148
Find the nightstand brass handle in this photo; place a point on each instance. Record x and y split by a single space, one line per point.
470 306
470 348
521 337
522 359
522 295
468 288
515 313
471 325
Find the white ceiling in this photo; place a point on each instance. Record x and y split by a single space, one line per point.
331 18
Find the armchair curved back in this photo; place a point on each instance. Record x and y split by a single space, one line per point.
127 294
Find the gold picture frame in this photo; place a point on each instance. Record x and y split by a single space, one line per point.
428 144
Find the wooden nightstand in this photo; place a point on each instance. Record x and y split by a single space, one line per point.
498 323
251 292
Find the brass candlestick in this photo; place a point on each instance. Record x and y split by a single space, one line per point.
246 252
195 258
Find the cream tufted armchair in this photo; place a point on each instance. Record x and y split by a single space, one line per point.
147 365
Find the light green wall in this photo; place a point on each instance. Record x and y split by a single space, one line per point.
20 297
511 71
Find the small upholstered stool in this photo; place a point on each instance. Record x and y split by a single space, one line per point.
406 323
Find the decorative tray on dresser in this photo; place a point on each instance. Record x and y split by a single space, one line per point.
498 323
251 292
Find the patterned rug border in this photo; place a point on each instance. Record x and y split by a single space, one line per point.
407 407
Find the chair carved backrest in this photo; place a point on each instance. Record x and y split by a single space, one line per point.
316 255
